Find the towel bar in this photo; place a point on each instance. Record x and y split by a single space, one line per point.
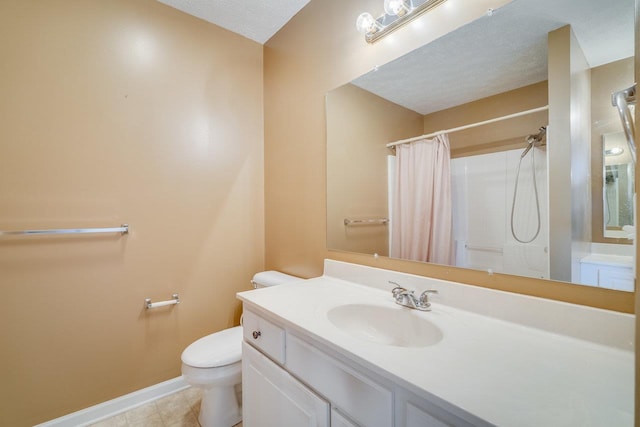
124 229
367 221
148 304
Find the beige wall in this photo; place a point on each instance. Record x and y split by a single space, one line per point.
569 154
499 136
305 60
359 125
120 111
605 79
561 45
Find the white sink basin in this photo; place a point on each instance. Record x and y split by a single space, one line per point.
395 326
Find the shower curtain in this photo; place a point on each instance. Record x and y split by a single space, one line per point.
422 220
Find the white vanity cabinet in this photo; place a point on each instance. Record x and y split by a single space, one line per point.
367 400
607 271
500 359
272 397
314 386
338 420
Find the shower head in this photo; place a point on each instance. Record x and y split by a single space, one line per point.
537 138
534 140
621 101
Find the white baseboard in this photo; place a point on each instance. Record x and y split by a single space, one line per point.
118 405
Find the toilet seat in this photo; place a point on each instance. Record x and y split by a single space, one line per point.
215 350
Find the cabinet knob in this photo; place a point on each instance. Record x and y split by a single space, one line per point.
256 334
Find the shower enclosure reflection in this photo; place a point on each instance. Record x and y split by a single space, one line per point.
498 226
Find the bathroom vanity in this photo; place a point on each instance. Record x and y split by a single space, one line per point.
608 271
336 350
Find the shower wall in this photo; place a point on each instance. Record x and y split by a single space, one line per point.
483 191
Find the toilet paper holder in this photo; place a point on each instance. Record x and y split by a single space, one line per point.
148 304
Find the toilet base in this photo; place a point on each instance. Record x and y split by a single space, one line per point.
220 407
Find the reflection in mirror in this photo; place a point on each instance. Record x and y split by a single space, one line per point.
509 127
618 185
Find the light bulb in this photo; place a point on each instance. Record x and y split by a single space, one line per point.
395 7
365 23
615 151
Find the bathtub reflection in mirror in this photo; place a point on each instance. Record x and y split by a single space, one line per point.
545 227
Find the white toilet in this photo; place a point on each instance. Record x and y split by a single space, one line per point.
214 364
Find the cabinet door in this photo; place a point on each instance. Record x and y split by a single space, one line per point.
339 420
617 278
416 417
364 400
273 398
414 411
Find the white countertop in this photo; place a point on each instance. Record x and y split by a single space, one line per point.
501 372
609 259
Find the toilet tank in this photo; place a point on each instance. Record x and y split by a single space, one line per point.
271 278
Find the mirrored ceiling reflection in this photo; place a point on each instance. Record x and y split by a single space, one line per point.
493 67
500 52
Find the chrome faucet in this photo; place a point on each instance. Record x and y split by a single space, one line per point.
407 298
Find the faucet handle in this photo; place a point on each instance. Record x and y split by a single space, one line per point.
424 297
397 290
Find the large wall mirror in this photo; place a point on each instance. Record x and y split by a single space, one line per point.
533 186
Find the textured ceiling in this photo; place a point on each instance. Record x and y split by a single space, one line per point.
501 52
494 54
257 20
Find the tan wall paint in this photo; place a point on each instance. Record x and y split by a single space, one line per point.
359 125
560 45
569 153
581 206
120 111
314 53
604 119
499 136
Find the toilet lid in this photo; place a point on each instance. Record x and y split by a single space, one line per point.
219 349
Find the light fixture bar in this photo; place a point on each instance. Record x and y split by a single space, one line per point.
420 7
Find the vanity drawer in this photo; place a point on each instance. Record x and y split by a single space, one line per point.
360 398
264 335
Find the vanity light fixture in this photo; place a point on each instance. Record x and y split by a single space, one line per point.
396 7
367 24
397 13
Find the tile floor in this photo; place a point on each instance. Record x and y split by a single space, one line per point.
176 410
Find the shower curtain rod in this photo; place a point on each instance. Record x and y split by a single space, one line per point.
472 125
